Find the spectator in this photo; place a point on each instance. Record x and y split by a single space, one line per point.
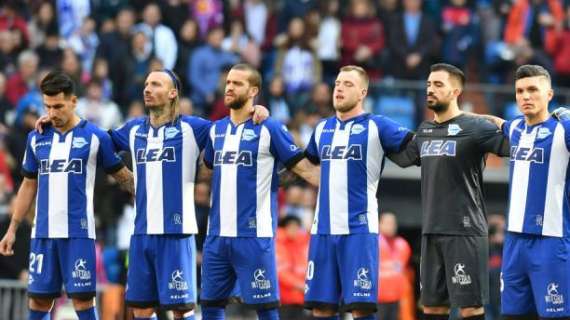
240 42
10 20
206 64
291 250
25 79
276 101
115 48
50 51
362 37
175 13
293 9
138 65
159 38
31 101
42 23
16 267
320 101
70 15
5 105
256 14
84 42
328 40
412 41
188 41
395 253
460 32
208 14
297 63
93 107
100 71
71 65
560 51
8 53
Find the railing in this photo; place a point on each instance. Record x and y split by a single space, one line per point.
13 300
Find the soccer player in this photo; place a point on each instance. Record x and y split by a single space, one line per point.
59 166
343 252
239 248
165 148
451 150
536 255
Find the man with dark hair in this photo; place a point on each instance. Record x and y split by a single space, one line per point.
535 279
244 158
451 150
59 166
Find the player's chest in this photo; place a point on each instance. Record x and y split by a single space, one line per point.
534 146
349 143
452 141
165 145
240 147
67 154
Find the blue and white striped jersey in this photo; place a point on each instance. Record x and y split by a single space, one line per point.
164 160
351 154
65 166
539 176
244 159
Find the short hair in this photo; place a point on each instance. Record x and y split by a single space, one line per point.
56 82
453 71
361 72
28 55
254 78
532 70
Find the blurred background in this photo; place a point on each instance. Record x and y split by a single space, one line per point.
108 47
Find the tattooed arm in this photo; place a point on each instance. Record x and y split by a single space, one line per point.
125 180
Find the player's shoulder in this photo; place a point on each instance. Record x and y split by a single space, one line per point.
272 124
195 121
90 127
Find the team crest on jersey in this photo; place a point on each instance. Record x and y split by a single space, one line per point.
461 277
552 294
357 128
80 270
170 132
177 281
453 129
260 281
543 133
363 279
248 135
78 142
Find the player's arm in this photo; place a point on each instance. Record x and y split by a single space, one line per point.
408 155
24 200
125 180
259 113
308 171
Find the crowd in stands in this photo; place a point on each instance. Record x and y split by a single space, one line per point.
108 47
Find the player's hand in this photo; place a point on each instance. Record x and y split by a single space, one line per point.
260 113
7 244
561 113
39 126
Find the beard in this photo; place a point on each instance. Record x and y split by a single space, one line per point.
237 103
438 106
344 107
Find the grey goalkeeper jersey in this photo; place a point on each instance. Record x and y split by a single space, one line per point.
452 158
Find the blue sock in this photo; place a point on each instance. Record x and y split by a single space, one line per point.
39 315
145 318
88 314
368 317
335 317
212 313
268 314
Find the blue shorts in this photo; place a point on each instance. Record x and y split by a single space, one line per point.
56 262
246 263
535 276
342 271
162 272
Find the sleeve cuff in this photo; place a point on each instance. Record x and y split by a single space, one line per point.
294 160
314 160
115 168
29 175
409 136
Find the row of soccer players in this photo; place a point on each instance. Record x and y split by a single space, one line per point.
349 149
